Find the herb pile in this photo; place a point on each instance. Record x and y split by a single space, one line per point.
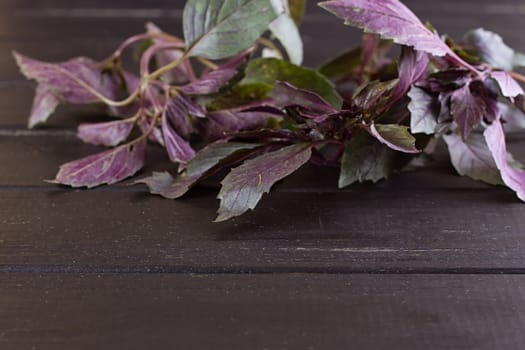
232 97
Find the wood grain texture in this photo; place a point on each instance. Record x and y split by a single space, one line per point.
96 27
256 312
365 230
34 156
31 156
426 260
16 98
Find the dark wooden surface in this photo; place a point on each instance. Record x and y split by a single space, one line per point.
426 260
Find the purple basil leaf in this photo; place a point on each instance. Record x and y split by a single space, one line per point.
213 81
263 105
218 124
396 137
392 20
365 159
167 186
360 62
208 158
121 90
286 95
178 109
493 50
106 134
345 64
210 83
183 103
447 80
59 82
512 177
44 104
108 167
509 87
374 94
259 106
269 70
472 158
180 122
514 117
282 135
238 60
369 47
211 155
492 111
445 112
467 109
156 134
424 111
412 68
179 74
132 81
179 150
123 84
66 79
245 185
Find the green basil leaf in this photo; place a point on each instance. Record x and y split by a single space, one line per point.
218 29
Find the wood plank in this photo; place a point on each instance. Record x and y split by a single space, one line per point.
33 25
298 311
31 157
109 267
410 222
337 227
30 20
471 13
467 6
97 36
34 155
43 37
16 99
362 230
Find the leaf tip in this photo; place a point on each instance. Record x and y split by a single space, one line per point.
19 59
342 183
17 56
31 124
225 215
142 181
325 5
220 219
54 182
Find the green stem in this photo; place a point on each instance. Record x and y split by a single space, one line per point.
207 63
148 132
97 94
270 45
156 74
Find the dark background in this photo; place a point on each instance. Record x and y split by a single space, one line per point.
427 260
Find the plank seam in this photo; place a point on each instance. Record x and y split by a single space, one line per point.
20 131
158 269
122 188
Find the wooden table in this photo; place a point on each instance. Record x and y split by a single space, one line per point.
424 261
